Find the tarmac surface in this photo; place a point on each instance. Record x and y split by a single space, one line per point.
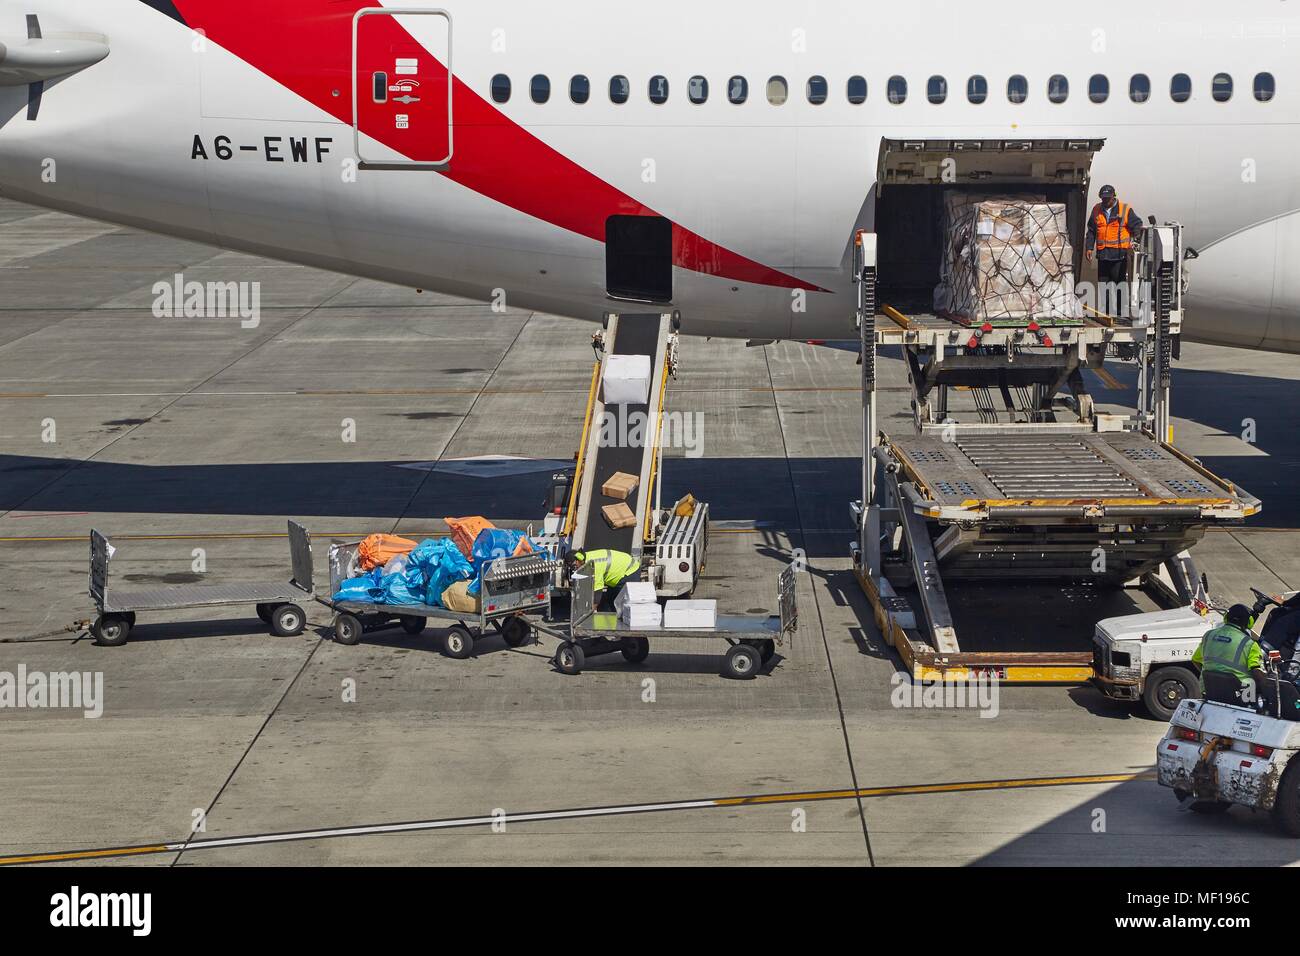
355 407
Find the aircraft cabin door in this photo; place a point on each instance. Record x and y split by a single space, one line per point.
401 88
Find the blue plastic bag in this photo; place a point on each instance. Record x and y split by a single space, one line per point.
442 565
405 588
367 587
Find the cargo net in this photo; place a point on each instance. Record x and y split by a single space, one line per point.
1008 260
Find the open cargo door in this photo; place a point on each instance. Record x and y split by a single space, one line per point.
979 162
913 176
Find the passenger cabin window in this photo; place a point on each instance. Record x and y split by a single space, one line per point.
977 89
1017 89
579 89
817 90
540 88
639 258
936 90
1098 88
896 90
737 89
619 89
697 89
500 88
856 90
1265 87
1058 89
778 90
1180 88
1139 88
658 89
1221 88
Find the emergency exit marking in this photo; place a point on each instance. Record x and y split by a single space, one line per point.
406 67
403 121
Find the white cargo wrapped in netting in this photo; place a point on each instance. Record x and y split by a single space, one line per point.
1007 257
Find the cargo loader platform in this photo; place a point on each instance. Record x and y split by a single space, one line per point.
1041 487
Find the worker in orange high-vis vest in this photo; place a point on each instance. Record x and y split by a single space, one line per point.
1112 228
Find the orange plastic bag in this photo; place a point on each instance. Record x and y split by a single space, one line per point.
523 547
378 549
465 530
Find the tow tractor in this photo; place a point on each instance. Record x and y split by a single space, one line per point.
1148 657
1215 755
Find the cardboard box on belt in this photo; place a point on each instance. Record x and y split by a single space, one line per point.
618 516
1008 259
619 485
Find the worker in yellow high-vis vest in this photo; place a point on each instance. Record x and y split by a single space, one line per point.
1231 648
608 568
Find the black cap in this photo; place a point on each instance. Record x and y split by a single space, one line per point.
1239 615
1107 192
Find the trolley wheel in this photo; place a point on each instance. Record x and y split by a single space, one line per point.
459 642
516 631
347 629
569 659
287 620
635 649
413 624
111 630
742 662
264 613
766 648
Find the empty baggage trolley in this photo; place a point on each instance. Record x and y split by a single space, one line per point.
276 601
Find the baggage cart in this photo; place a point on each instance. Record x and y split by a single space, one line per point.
753 638
512 587
276 602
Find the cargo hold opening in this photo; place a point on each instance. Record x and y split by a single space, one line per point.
914 176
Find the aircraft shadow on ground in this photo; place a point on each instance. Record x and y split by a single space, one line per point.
1142 825
737 489
1227 402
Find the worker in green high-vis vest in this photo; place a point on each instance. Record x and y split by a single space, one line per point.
1231 648
608 568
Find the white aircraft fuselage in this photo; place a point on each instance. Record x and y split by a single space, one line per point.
231 122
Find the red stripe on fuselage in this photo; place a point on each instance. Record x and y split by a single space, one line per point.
306 45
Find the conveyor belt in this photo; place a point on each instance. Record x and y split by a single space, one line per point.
629 334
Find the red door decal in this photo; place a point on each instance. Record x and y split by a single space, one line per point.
401 86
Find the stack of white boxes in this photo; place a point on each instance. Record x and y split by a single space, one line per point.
690 613
637 605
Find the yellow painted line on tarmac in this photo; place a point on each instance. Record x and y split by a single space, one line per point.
87 854
970 786
966 787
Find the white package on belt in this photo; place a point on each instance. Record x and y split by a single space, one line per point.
683 613
642 615
635 592
626 380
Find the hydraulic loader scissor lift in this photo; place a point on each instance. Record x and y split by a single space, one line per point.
1035 492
